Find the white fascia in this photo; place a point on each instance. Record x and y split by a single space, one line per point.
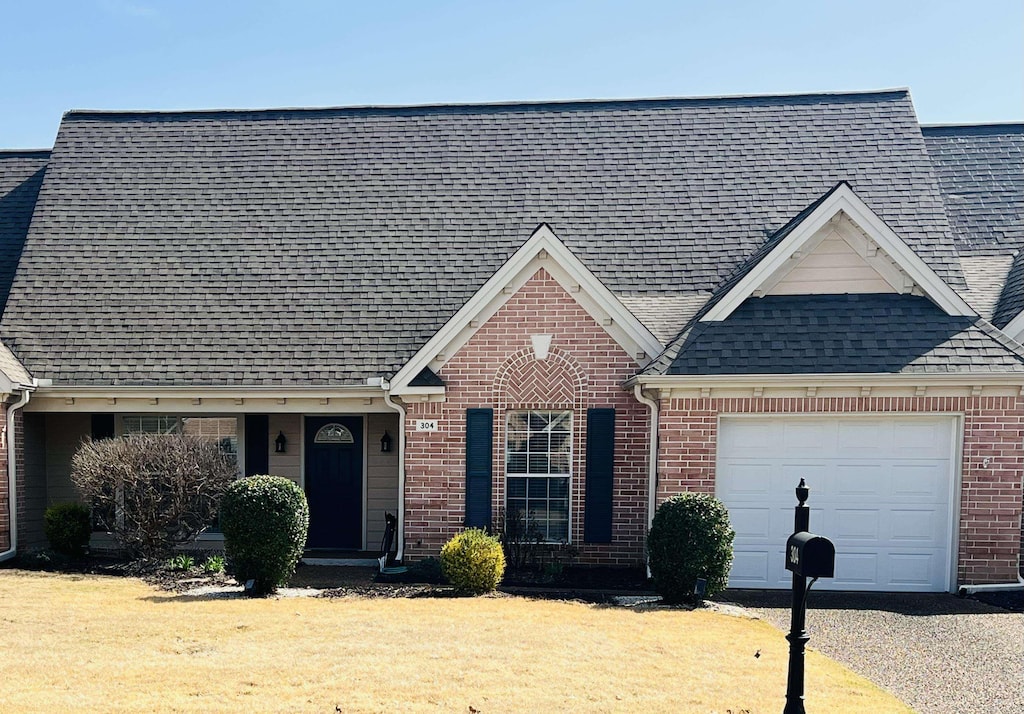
213 392
842 200
543 249
668 381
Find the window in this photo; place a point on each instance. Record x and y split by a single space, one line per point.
538 454
222 430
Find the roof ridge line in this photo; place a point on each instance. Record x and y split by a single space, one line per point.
501 105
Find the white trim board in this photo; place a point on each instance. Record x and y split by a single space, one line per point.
542 250
898 264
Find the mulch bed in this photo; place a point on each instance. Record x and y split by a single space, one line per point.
1012 600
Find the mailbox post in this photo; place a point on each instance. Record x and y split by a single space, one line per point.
807 556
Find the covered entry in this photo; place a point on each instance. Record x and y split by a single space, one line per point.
881 488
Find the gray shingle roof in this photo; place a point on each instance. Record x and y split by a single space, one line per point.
840 334
981 175
21 174
326 246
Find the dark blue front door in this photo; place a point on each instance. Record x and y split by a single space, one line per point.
334 482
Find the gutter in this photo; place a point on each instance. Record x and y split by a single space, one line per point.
652 464
12 470
386 386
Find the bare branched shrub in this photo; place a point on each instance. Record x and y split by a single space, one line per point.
153 491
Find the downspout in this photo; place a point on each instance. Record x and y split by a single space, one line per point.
652 465
386 386
12 471
996 587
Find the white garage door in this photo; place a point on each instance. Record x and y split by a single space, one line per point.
880 490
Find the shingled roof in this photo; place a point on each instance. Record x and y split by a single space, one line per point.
21 175
981 175
326 246
840 334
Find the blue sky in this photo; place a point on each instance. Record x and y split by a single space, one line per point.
963 60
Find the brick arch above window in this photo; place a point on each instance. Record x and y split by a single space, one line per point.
525 382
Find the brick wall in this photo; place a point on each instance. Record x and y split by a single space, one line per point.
990 503
5 509
585 369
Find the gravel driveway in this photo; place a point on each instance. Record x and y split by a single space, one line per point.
938 653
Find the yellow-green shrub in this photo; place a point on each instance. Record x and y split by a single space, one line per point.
473 562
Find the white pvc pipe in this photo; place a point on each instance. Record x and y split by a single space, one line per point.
995 587
386 386
12 473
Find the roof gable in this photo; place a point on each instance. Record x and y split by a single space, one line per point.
542 250
839 217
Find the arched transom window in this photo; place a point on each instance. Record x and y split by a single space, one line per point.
333 434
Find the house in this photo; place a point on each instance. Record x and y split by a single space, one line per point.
571 310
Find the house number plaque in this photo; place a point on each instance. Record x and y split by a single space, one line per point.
426 424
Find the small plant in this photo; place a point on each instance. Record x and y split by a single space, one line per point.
690 539
68 528
181 563
265 520
473 562
214 565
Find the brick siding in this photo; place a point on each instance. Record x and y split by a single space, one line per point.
5 510
990 534
585 368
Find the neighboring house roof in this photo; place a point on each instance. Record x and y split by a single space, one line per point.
842 334
980 169
21 174
13 369
327 246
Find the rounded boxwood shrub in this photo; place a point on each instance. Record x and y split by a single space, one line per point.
68 528
473 562
690 538
264 520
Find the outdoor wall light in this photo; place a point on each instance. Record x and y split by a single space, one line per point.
280 443
385 443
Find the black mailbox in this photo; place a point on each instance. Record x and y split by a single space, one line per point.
811 556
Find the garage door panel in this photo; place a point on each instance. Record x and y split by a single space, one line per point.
860 438
924 526
919 481
855 479
855 570
750 569
913 569
754 523
856 524
880 489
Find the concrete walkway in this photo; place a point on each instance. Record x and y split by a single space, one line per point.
938 653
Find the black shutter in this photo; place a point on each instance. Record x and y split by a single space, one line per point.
479 451
597 514
257 444
102 426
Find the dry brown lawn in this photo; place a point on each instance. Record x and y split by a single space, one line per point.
89 643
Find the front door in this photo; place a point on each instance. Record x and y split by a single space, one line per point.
334 482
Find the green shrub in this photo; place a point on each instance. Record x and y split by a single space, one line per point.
473 562
68 528
690 538
264 520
